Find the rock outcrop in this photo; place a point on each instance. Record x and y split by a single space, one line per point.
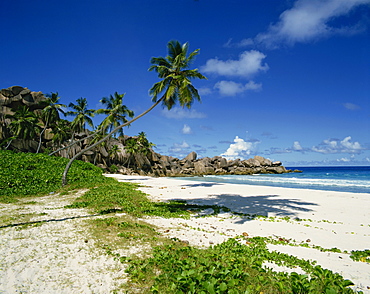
191 166
13 97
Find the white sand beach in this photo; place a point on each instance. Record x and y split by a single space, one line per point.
60 256
328 219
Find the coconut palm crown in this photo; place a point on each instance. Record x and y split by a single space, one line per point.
116 112
82 115
173 70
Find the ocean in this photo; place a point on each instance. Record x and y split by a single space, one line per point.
354 179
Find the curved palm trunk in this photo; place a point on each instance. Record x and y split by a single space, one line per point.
75 142
65 173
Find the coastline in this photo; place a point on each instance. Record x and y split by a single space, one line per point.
325 219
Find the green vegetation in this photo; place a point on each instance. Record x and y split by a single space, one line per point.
235 266
27 174
230 267
358 255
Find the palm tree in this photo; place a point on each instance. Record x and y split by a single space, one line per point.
175 86
50 113
116 113
61 131
113 152
82 115
138 146
23 123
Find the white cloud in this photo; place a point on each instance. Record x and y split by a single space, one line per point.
308 20
344 159
338 146
179 113
351 106
179 148
230 88
204 91
248 64
240 149
243 43
186 130
253 86
297 146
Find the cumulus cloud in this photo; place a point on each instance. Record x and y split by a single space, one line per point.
248 64
309 20
180 113
240 149
351 106
331 146
297 146
230 88
179 149
186 130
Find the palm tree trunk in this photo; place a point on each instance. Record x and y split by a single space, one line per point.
10 142
65 173
40 139
75 142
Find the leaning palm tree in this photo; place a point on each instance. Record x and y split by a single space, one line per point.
50 113
174 86
116 113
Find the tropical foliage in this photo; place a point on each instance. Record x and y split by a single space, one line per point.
82 115
50 113
136 146
115 111
23 123
176 78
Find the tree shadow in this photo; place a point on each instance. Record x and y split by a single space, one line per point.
48 221
252 206
201 185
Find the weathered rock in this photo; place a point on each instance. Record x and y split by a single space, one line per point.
253 162
276 169
191 156
263 161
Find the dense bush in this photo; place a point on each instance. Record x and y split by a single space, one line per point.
25 174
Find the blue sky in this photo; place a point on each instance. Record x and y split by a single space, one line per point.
288 80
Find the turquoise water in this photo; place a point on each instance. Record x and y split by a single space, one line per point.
338 178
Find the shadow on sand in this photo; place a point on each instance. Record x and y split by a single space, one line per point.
200 185
261 205
48 221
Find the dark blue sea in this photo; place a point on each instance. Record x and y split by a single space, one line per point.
334 178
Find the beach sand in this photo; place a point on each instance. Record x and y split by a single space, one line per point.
59 256
319 218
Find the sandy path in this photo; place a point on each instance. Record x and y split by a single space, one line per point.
57 256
